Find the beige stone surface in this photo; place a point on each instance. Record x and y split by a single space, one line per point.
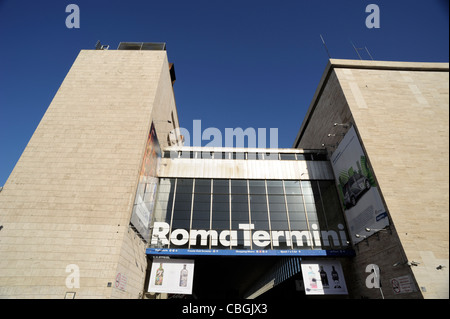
401 113
69 198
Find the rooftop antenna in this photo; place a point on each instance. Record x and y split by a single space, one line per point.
357 51
323 41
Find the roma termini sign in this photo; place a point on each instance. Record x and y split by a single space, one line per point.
305 239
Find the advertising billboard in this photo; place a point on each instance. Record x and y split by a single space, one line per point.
173 276
323 277
146 190
356 184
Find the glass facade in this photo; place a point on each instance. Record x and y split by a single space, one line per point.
248 214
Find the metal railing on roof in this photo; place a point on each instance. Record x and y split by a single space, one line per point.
156 46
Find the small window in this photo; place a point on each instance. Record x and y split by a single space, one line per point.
287 156
320 157
187 154
271 156
254 156
205 155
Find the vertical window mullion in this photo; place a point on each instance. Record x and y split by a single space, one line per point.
229 208
287 210
192 209
268 214
249 214
306 215
173 207
210 211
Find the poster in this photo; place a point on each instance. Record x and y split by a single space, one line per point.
363 206
146 190
402 285
323 277
173 276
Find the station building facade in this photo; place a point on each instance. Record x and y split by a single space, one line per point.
105 196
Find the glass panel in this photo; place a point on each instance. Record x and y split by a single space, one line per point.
205 154
292 187
201 211
239 186
239 215
238 155
220 155
287 156
306 187
220 212
271 156
278 216
202 186
297 215
259 213
275 187
182 206
320 157
221 186
163 204
332 213
184 185
257 187
254 156
187 154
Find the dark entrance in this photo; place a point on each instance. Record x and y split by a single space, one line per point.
232 278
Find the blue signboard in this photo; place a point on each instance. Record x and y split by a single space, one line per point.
248 252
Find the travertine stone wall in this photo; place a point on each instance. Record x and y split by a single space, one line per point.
69 198
401 113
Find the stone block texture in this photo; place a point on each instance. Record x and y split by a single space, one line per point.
401 113
66 206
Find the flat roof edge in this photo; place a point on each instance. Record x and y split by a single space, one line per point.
365 64
389 65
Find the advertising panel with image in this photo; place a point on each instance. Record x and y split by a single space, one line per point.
146 190
173 276
356 184
323 277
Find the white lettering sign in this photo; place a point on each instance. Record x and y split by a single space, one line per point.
260 238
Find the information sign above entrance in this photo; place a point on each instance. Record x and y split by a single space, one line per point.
248 252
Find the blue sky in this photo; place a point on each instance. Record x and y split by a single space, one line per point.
238 63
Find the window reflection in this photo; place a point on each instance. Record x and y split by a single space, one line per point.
273 207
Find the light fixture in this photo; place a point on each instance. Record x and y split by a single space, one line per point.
407 263
359 236
331 135
344 125
413 263
372 229
399 263
329 145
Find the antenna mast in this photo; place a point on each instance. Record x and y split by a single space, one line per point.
323 41
357 51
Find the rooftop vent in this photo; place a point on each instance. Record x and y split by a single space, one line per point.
142 46
99 46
